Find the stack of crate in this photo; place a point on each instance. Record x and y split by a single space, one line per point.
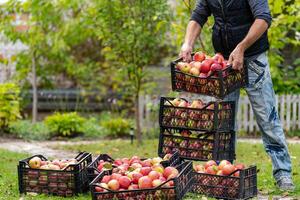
206 132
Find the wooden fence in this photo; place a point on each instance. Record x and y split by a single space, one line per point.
288 107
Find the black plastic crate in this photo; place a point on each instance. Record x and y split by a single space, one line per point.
182 184
214 85
214 116
67 182
227 187
197 145
93 171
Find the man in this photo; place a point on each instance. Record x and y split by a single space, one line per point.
240 34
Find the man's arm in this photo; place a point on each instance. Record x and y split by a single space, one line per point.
261 12
198 19
257 29
192 32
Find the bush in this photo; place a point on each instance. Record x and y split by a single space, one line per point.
26 130
65 124
117 127
93 130
9 104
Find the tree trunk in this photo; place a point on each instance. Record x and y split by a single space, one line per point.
137 119
34 91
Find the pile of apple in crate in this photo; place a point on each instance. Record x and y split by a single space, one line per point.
190 130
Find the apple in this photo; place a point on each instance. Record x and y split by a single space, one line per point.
212 169
145 182
228 169
159 168
53 167
136 165
167 156
124 182
219 172
154 175
56 162
156 182
176 101
118 162
99 189
104 166
156 160
222 164
115 176
180 65
145 171
183 104
205 66
133 187
170 170
125 160
113 184
146 163
203 75
44 167
194 71
210 163
186 68
216 67
199 168
106 179
135 177
199 56
197 65
35 162
240 166
218 58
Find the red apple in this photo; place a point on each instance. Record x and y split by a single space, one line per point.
125 160
154 175
183 104
156 182
205 66
212 169
133 187
146 163
145 170
228 169
199 56
106 179
170 170
210 163
113 185
124 182
115 176
136 165
167 156
135 177
99 189
145 182
215 67
218 57
118 162
240 166
222 164
202 75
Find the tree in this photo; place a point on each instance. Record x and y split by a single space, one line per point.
61 42
133 33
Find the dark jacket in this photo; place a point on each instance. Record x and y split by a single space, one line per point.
233 19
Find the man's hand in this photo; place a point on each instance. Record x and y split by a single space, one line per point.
236 58
185 52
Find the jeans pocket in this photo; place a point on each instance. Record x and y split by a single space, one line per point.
257 71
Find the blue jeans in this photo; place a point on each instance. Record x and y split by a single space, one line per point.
262 97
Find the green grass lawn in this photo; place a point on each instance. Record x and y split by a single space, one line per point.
246 153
